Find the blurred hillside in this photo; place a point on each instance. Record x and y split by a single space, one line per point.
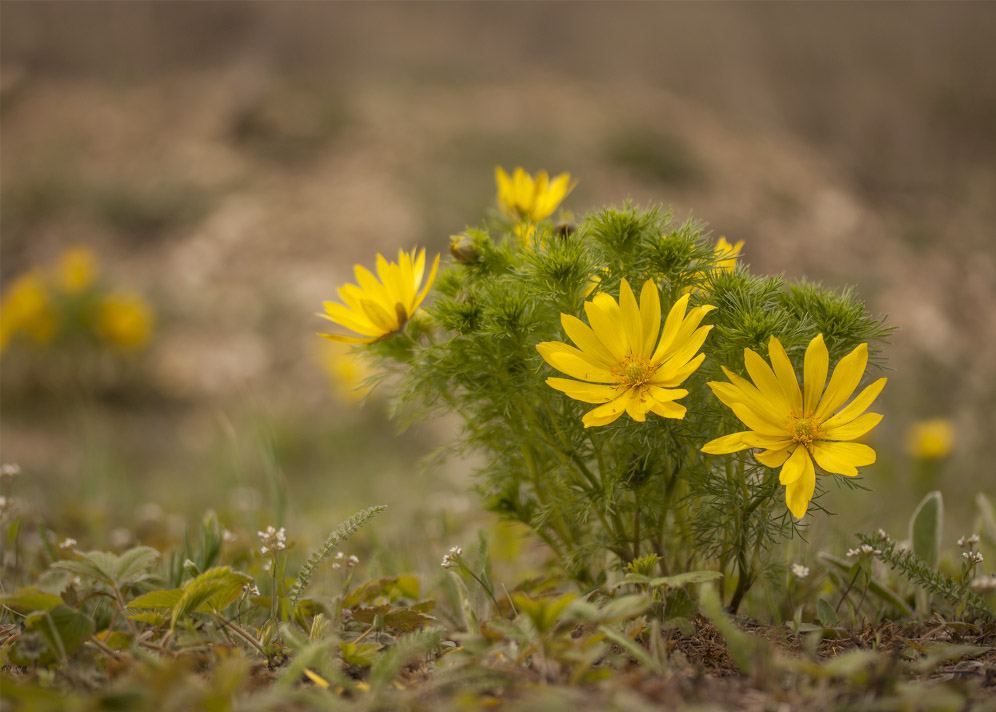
234 161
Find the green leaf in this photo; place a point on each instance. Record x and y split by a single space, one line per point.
624 608
686 578
826 614
163 598
26 600
405 619
329 547
635 650
64 628
212 590
134 564
926 527
362 654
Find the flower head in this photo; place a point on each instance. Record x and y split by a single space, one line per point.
931 439
621 363
795 427
522 197
800 571
124 320
377 309
76 270
27 308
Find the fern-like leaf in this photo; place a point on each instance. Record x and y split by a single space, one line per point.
917 571
331 545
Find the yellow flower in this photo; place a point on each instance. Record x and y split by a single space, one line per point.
76 270
931 439
621 363
26 308
124 320
726 260
347 371
379 309
795 427
522 197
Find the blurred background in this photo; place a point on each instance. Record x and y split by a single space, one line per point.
183 184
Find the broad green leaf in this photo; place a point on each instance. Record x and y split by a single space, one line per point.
363 653
152 618
163 598
406 620
367 615
686 578
65 628
926 527
134 564
624 608
212 590
26 600
826 614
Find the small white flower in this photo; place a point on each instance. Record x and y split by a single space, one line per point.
10 469
228 537
352 561
264 550
882 535
336 566
800 571
973 557
968 541
450 559
456 550
250 590
863 550
268 565
67 543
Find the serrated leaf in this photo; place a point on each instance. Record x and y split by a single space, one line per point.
163 598
406 587
153 618
363 653
425 606
686 578
30 598
134 564
926 527
826 614
405 619
212 590
367 615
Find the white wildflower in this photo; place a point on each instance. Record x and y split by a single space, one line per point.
973 557
800 571
67 543
10 469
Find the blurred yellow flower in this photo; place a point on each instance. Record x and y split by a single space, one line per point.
931 439
522 197
795 427
621 362
379 309
76 270
124 320
726 260
347 371
27 308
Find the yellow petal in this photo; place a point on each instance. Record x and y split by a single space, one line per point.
666 395
380 317
354 321
586 392
768 442
569 360
650 316
773 458
630 319
842 458
582 335
669 378
784 371
765 380
672 324
853 430
856 407
815 373
795 466
606 328
669 410
348 339
800 492
844 380
605 414
733 442
428 284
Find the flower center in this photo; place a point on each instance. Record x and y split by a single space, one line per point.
803 427
634 371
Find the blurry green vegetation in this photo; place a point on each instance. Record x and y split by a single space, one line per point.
655 157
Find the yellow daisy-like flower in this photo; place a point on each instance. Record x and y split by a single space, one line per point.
27 308
380 308
76 270
726 259
931 439
124 320
621 362
795 427
522 197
